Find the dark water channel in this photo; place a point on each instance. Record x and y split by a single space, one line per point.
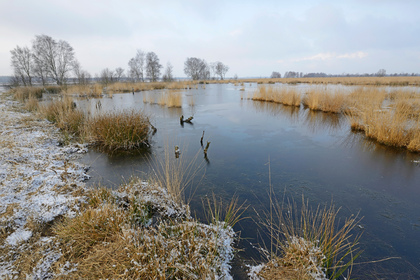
310 153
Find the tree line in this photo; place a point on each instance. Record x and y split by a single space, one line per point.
54 61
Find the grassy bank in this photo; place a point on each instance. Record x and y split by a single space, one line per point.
389 117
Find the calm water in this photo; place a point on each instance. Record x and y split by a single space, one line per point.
310 153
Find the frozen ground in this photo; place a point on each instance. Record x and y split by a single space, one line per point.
39 182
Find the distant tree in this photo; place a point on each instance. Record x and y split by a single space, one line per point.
235 77
56 57
168 76
381 73
82 77
119 74
196 68
22 65
136 66
275 75
221 69
212 68
291 74
107 76
152 66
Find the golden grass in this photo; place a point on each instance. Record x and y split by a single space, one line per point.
119 130
319 99
107 241
63 113
308 243
175 174
393 122
285 96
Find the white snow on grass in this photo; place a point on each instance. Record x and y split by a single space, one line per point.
37 182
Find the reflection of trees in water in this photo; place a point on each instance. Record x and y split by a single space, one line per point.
393 160
320 121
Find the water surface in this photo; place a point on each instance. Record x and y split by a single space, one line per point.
309 153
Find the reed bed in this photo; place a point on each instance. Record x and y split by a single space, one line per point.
119 130
389 117
322 100
88 90
283 96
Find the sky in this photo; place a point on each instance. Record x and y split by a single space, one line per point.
254 38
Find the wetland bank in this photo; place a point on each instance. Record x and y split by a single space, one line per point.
301 151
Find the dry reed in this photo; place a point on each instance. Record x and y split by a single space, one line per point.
119 130
136 233
308 243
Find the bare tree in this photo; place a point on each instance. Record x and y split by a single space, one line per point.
168 76
22 65
381 73
196 68
152 66
82 77
57 57
136 67
119 74
275 75
221 69
107 76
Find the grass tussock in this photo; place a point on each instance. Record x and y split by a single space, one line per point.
308 243
171 99
133 233
175 174
63 113
119 130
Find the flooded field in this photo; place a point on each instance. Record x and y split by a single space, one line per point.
308 153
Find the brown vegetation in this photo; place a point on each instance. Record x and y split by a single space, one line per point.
119 130
308 243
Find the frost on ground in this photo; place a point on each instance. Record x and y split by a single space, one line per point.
301 259
39 182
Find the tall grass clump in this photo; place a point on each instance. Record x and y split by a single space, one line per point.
176 174
119 130
308 243
24 93
170 99
64 115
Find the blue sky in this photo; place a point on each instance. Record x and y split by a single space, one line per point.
253 38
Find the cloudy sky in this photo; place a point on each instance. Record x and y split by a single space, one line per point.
253 38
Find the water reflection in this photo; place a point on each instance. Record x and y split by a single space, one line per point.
317 121
312 153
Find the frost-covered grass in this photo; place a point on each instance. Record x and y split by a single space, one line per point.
139 232
39 183
52 227
307 243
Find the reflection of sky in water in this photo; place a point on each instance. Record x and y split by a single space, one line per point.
310 152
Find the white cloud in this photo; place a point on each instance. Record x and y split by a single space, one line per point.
331 56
